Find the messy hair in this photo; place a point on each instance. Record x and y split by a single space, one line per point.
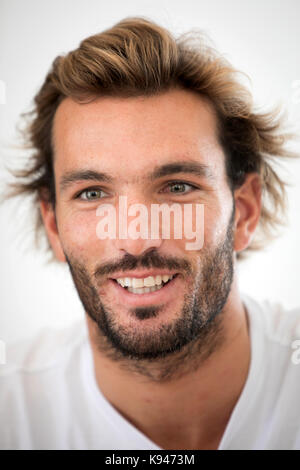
137 57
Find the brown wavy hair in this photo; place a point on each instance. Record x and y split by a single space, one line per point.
138 57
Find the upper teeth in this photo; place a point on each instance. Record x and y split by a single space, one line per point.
143 282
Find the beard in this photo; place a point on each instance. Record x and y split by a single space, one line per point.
175 348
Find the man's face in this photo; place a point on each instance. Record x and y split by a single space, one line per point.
130 144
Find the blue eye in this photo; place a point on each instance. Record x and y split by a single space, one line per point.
91 194
179 187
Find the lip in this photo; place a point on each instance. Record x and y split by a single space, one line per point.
143 274
163 295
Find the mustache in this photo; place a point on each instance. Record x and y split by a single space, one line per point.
152 259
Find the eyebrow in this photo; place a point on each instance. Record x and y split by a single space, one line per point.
192 167
71 177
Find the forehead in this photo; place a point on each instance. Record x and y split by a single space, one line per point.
110 133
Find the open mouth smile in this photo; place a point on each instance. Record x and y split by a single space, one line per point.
136 291
144 285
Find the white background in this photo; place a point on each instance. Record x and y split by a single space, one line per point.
260 37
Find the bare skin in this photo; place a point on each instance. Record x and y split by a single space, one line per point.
127 139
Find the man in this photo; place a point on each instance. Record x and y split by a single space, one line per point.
171 355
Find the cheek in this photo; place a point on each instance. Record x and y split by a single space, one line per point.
78 233
215 225
204 229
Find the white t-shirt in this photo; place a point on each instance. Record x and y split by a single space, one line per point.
49 398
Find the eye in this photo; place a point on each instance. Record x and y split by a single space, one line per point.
91 194
179 187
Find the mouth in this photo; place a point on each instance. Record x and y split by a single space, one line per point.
136 291
146 285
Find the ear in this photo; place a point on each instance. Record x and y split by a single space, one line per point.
49 219
248 209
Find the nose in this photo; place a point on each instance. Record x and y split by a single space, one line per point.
137 247
135 235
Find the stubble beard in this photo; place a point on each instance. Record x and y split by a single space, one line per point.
176 348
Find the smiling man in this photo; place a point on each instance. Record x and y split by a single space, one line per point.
170 354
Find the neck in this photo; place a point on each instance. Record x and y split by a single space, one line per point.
190 410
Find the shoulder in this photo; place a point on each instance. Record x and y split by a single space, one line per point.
275 334
41 385
44 350
280 325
